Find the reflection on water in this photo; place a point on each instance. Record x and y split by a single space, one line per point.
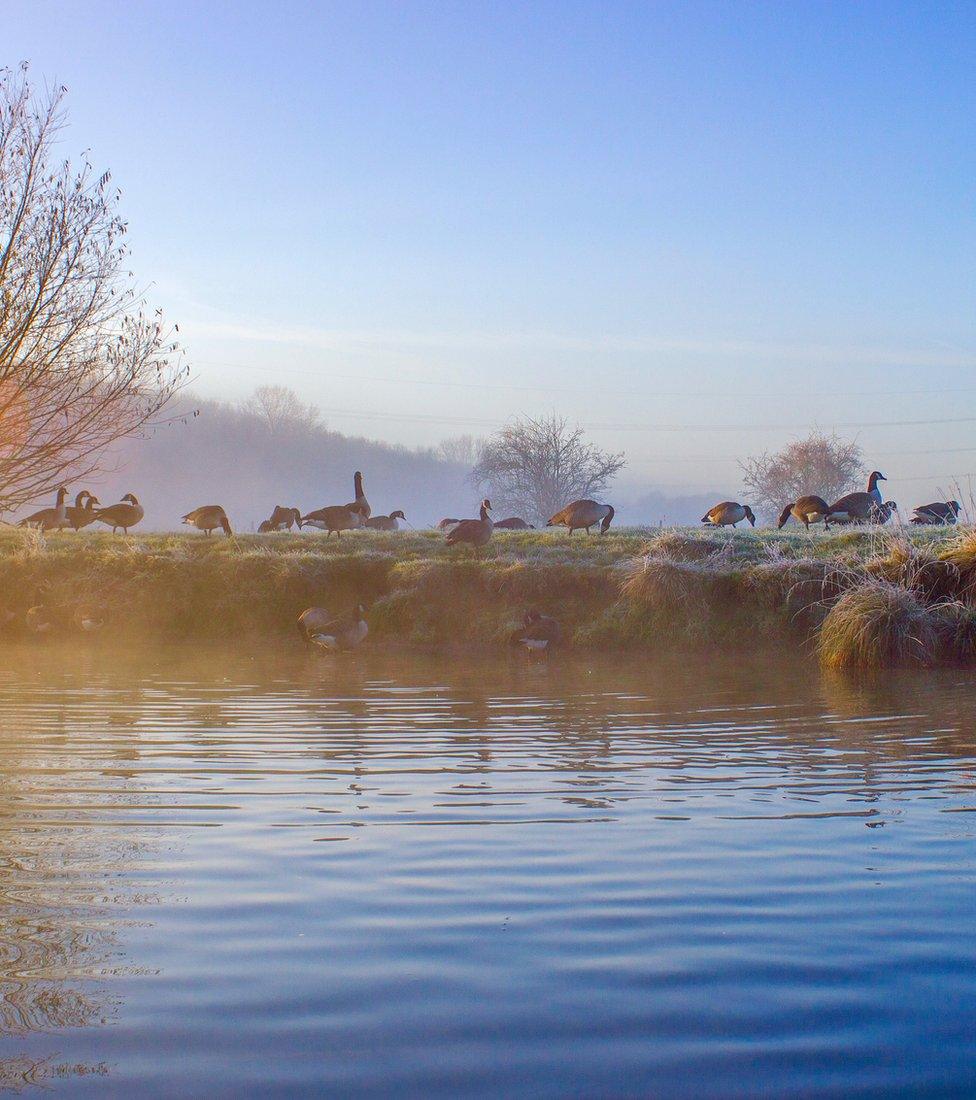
228 872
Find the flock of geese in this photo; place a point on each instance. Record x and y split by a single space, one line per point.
538 633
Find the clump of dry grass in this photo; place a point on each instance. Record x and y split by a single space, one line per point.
957 629
678 547
666 585
878 625
959 555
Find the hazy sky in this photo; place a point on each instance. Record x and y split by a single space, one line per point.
697 228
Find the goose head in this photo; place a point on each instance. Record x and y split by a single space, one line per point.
130 498
750 515
398 515
874 478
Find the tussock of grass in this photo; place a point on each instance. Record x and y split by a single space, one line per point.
878 625
957 630
679 547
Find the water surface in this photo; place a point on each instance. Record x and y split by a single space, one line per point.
231 872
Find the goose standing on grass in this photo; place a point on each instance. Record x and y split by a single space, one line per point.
938 513
538 633
807 510
585 514
386 523
207 518
336 517
475 532
728 512
447 524
49 519
127 513
282 519
345 633
82 512
513 523
361 504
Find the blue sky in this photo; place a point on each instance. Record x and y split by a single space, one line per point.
697 228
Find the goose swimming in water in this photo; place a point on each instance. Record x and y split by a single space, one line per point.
475 532
127 513
344 633
728 513
538 633
585 514
807 510
49 519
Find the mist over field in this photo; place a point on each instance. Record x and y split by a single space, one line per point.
214 452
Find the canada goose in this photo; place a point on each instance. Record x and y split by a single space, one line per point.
938 513
88 619
207 518
314 620
40 620
728 512
475 532
514 523
807 510
127 513
583 513
538 633
447 524
881 513
49 519
82 512
386 523
345 633
336 517
854 508
282 519
361 504
873 478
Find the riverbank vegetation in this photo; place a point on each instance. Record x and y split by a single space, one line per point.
860 598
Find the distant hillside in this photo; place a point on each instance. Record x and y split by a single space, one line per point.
238 457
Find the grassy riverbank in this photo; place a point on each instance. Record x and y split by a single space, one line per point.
863 597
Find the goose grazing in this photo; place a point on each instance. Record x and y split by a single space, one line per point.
336 517
346 633
538 633
447 524
127 513
282 519
807 510
361 504
49 519
514 523
728 512
475 532
938 513
82 512
207 518
585 514
386 523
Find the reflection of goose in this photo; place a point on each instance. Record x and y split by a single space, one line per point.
207 518
585 514
475 532
386 523
127 513
938 513
538 633
49 519
342 634
728 512
82 512
807 510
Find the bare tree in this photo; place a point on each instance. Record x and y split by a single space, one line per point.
81 363
821 464
462 450
535 467
282 410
